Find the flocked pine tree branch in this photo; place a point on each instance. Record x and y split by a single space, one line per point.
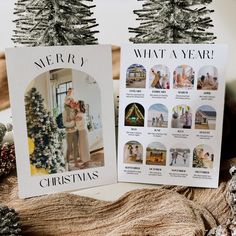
43 130
54 22
173 21
9 222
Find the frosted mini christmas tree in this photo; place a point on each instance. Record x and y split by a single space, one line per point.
173 21
43 130
54 22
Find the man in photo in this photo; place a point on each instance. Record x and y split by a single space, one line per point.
187 120
174 156
69 97
137 153
209 80
72 134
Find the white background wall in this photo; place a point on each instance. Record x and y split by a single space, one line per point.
115 16
83 91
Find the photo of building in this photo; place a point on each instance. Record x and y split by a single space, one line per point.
136 76
205 118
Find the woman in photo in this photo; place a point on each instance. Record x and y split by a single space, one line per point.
161 120
83 133
137 153
69 116
165 82
156 80
185 157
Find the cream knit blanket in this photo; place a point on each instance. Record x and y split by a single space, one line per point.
166 211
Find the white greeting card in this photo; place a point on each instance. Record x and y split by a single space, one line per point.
171 113
63 117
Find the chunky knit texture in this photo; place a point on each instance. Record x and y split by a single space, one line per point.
164 211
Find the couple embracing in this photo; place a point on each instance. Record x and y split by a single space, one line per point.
76 131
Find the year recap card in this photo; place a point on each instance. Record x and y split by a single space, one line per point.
171 114
63 117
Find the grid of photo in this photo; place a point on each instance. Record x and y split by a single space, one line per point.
170 128
177 155
170 118
177 117
183 77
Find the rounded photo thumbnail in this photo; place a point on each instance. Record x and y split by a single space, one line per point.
158 116
133 153
156 154
179 156
183 77
203 157
62 121
134 115
159 77
136 76
205 118
181 117
207 78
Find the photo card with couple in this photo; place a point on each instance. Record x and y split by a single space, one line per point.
63 117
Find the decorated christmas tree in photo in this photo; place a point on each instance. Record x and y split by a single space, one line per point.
50 22
170 21
44 137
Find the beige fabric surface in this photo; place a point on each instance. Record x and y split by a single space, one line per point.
166 211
